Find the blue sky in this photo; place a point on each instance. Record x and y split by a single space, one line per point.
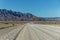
41 8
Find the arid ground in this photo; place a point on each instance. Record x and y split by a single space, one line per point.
29 31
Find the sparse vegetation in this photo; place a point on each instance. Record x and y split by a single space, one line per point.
11 24
47 22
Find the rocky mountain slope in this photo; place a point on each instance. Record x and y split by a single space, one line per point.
9 15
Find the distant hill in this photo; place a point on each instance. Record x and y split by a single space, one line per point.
52 19
9 15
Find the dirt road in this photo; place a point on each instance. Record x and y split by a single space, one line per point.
31 32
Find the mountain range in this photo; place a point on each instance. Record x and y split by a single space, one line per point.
9 15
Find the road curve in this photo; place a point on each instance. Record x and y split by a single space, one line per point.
31 32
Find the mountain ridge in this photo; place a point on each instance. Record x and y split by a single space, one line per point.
9 15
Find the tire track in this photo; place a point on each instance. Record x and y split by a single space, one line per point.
12 34
33 32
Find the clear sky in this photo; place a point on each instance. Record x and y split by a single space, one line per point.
41 8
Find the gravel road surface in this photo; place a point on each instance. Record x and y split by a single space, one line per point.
31 32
